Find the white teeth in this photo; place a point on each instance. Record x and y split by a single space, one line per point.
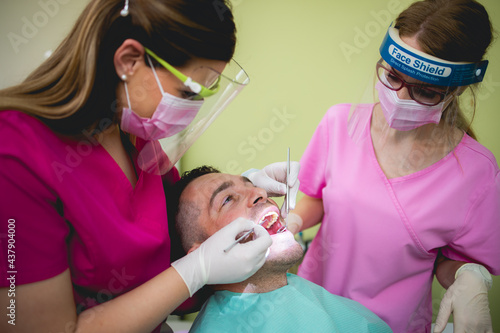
270 222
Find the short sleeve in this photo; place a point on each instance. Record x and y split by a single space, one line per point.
313 161
171 177
478 241
29 218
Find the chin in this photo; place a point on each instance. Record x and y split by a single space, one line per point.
285 248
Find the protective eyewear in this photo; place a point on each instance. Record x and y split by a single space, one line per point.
420 93
200 90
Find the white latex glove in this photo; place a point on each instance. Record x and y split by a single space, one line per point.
273 179
294 223
467 298
209 264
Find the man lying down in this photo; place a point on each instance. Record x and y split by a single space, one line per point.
271 300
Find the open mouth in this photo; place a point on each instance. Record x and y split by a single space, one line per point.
271 222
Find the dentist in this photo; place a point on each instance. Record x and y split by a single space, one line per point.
89 140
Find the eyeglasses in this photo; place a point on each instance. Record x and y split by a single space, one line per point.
195 87
420 93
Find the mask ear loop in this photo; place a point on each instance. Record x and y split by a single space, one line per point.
156 76
126 93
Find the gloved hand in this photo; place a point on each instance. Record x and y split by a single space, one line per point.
209 264
467 298
273 179
294 222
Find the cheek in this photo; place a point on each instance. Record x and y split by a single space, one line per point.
144 95
228 217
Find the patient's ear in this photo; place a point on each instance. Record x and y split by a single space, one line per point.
194 247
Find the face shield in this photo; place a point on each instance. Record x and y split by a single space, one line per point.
411 99
214 90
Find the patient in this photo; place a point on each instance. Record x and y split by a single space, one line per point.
271 300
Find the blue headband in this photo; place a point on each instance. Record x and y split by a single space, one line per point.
427 68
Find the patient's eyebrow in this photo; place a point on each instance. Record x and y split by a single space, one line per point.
219 189
246 180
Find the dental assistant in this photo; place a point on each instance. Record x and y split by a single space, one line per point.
401 186
82 168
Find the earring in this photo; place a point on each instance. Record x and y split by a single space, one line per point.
123 77
124 11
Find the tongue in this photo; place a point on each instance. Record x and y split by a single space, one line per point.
274 228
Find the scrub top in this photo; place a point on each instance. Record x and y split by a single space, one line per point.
300 306
379 237
72 207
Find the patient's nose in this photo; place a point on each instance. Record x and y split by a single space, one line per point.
256 195
403 93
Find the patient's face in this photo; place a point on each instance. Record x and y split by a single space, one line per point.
222 198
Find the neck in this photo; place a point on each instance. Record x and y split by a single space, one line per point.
261 282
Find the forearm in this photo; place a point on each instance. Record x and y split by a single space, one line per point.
446 269
310 210
139 310
48 306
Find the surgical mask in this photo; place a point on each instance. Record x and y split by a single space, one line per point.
406 114
171 116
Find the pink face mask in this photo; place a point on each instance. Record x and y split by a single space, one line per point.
405 115
172 115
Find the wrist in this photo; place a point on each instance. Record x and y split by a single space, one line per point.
480 270
294 222
189 270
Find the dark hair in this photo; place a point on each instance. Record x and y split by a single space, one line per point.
74 89
454 30
178 224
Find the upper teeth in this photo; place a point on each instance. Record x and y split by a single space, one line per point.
271 222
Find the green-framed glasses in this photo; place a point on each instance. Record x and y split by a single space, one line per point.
195 87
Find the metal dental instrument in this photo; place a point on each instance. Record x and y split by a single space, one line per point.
287 186
240 238
287 198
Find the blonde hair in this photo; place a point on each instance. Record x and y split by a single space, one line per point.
74 89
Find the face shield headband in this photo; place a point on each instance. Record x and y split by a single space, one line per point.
427 68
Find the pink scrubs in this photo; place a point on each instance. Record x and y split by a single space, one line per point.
74 208
379 237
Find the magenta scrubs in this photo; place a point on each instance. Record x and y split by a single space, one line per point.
379 237
73 207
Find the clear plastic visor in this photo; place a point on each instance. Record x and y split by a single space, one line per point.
158 157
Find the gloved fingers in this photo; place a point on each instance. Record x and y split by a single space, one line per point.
274 188
229 233
444 312
294 173
477 317
294 223
283 212
253 253
293 194
276 171
262 240
292 202
257 245
265 179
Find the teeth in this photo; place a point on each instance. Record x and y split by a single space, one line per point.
270 222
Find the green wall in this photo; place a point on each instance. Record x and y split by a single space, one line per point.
302 57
